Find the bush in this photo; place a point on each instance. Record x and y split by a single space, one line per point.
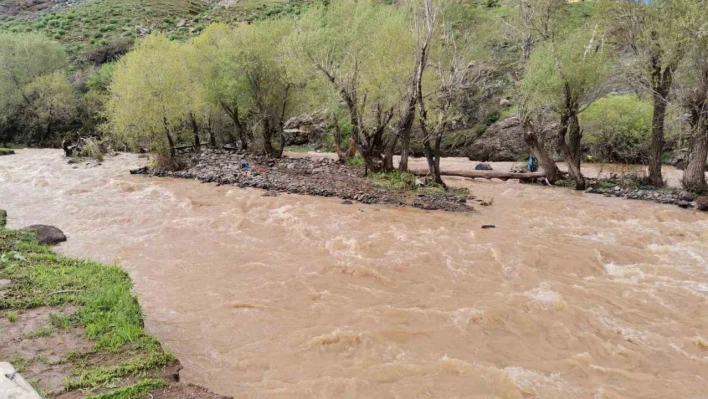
617 129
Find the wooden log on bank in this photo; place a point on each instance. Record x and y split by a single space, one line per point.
482 174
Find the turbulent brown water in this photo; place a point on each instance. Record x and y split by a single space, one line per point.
571 296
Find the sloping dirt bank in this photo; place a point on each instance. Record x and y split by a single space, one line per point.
322 177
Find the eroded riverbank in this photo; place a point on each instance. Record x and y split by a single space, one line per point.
572 295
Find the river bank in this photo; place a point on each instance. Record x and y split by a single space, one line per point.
323 177
73 329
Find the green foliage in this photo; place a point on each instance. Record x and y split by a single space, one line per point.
24 58
139 390
617 128
357 162
576 63
150 95
52 99
395 180
347 46
6 151
99 376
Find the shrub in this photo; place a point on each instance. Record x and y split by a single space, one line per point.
617 128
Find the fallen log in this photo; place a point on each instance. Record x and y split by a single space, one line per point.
482 174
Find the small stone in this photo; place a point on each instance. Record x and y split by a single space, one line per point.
684 204
483 166
686 196
489 226
702 204
617 188
5 282
347 202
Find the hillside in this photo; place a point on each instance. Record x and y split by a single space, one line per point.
86 25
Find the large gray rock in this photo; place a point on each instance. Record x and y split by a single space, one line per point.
502 141
13 386
304 129
48 235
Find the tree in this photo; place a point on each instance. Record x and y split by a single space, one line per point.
23 58
654 32
150 96
359 53
694 80
565 72
246 78
52 101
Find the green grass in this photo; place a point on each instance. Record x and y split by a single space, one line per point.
138 391
6 151
107 311
395 180
11 317
92 24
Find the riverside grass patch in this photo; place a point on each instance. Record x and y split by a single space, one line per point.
106 312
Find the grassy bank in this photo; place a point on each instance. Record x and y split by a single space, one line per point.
6 151
73 327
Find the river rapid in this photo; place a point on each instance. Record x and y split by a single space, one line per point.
571 295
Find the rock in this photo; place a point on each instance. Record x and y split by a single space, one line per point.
702 203
3 218
503 141
677 159
4 282
504 102
483 166
686 196
304 129
489 226
684 204
181 23
347 202
13 386
48 235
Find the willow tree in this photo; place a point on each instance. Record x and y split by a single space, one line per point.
694 96
361 54
150 96
565 73
243 74
52 101
24 58
655 33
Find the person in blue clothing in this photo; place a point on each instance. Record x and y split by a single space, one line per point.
532 165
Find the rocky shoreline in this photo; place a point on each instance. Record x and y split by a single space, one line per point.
683 199
323 177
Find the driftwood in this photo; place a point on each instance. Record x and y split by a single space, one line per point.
482 174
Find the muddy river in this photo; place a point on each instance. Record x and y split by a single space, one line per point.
571 296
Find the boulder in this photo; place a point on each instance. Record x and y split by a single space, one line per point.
48 235
503 141
678 159
702 204
13 386
304 129
483 166
686 196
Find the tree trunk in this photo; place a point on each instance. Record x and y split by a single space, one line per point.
195 131
267 135
547 163
656 149
694 177
661 82
569 136
171 143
